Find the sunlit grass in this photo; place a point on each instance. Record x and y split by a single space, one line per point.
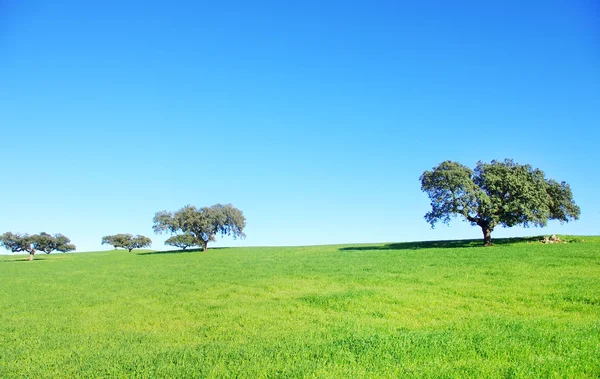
435 309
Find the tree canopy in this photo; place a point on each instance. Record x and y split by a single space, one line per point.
497 193
202 224
117 240
183 241
18 242
127 241
49 243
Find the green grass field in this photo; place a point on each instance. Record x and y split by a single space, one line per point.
434 309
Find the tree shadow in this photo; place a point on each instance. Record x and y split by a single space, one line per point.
181 251
442 244
26 259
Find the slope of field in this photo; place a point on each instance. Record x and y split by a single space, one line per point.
437 309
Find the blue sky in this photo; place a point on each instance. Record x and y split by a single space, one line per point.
315 118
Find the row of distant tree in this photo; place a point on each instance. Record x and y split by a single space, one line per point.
499 193
189 226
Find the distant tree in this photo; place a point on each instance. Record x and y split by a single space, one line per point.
18 242
138 242
127 241
117 240
48 243
496 193
202 224
107 240
182 241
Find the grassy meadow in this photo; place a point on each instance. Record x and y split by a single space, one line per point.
432 309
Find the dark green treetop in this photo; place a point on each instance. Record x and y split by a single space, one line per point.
127 241
202 224
182 241
16 242
496 193
138 242
48 243
117 240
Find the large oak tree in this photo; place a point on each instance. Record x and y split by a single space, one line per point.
203 224
496 193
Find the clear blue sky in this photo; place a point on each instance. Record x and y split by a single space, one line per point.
316 118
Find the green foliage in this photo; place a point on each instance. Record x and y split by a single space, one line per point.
127 241
182 241
49 243
202 224
444 309
16 242
138 242
117 240
497 193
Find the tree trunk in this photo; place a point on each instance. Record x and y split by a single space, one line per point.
487 235
204 245
31 253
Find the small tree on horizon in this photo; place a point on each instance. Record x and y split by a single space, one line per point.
138 242
116 240
127 241
17 243
496 193
183 241
23 242
48 243
202 224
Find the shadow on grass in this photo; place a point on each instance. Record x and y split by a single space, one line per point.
199 250
446 244
181 251
22 260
